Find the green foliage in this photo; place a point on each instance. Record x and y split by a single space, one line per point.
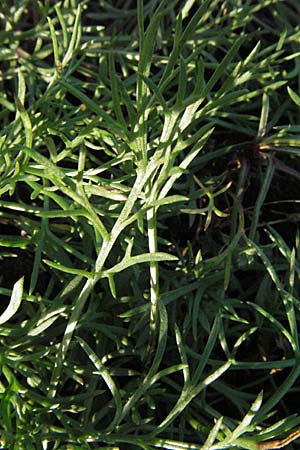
149 251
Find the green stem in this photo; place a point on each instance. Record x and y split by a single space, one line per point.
154 275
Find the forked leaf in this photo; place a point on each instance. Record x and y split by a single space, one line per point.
129 261
105 374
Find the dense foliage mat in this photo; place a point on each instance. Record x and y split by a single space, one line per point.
149 182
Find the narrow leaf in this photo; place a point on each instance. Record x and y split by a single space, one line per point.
295 97
15 301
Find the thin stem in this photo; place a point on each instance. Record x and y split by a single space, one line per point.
278 443
154 275
261 198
